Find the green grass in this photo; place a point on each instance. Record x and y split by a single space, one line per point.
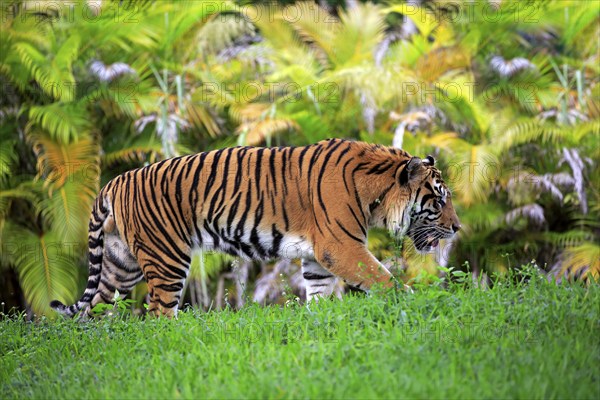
534 340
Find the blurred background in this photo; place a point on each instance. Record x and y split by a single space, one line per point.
503 94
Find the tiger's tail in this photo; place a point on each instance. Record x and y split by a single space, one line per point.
95 249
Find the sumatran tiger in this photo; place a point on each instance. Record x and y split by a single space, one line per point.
315 202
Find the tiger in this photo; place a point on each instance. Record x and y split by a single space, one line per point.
315 203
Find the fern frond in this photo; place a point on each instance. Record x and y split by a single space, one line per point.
315 27
58 162
45 264
136 153
221 31
362 29
524 132
571 238
68 208
65 122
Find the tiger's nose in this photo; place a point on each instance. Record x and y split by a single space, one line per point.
456 227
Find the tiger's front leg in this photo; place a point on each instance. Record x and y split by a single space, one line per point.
355 264
317 280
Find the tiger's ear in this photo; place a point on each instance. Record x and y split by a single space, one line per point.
429 160
410 170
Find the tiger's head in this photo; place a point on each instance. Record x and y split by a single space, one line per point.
432 216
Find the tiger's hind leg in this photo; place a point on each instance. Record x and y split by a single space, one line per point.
165 283
120 271
317 280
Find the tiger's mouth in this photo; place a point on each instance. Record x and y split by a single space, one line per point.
427 244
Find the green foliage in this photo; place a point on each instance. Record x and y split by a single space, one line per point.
505 96
119 305
43 264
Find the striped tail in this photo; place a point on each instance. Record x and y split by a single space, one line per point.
95 248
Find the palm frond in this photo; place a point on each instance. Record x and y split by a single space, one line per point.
362 29
58 162
312 127
46 270
533 212
447 59
221 32
254 133
526 180
135 154
315 27
508 68
424 20
580 17
68 208
65 122
579 262
573 158
471 173
570 238
531 130
281 37
71 177
204 118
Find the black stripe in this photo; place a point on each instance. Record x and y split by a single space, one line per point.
240 228
233 212
258 166
94 243
238 173
313 159
254 238
277 237
358 221
172 287
301 158
194 194
348 233
285 216
172 304
283 165
404 176
379 200
108 285
95 259
320 178
214 169
380 168
272 169
310 276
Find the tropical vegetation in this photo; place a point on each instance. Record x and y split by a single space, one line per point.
505 95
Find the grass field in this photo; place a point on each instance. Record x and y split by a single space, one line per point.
516 340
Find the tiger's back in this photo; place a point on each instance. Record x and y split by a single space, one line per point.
315 202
